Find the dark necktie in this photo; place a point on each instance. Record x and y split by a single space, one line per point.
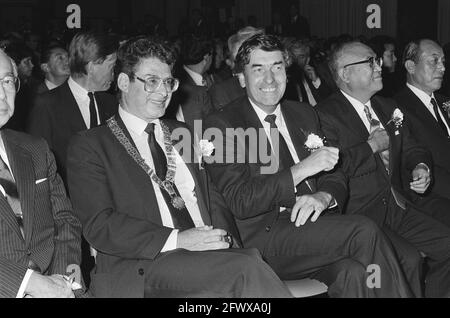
207 80
180 217
374 124
92 111
438 116
11 194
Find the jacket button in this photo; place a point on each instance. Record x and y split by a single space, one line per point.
384 201
141 271
267 228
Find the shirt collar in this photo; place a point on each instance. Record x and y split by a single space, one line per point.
134 123
49 84
77 89
424 97
196 77
262 114
359 106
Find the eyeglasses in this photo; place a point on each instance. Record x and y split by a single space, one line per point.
10 83
153 83
372 61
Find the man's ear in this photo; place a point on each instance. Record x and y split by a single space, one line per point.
343 74
44 67
410 67
123 82
241 79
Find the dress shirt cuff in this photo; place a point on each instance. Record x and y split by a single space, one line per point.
423 165
171 242
317 83
23 286
333 204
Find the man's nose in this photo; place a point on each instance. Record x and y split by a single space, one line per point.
268 76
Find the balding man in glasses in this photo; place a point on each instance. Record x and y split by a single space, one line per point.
378 153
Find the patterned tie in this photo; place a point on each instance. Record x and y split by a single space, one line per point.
438 116
92 110
11 194
180 217
207 80
374 124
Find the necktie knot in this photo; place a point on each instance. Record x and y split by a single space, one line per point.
271 120
372 121
150 129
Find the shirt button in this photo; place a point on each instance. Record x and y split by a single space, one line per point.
141 271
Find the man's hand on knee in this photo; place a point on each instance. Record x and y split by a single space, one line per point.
54 286
307 205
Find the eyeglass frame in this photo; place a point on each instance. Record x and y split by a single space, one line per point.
161 80
371 60
16 83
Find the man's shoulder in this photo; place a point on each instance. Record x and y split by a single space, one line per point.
52 98
232 112
331 104
24 140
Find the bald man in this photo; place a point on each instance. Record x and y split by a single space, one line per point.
39 235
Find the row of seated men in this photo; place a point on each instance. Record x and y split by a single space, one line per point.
323 192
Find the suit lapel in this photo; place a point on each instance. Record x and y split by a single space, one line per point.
22 169
298 137
350 115
72 109
137 174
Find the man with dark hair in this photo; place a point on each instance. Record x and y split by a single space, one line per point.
80 103
427 114
278 208
39 235
55 67
148 210
192 101
376 147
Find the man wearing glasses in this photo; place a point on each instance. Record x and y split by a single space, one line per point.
39 235
427 113
376 146
149 210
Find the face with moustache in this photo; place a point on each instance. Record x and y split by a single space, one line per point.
361 79
427 74
147 105
7 90
264 79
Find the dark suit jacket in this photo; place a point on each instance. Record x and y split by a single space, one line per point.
296 77
193 99
368 179
41 88
254 196
427 131
52 232
116 203
56 117
225 92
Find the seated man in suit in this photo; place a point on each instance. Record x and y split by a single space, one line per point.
81 102
40 236
376 145
147 210
229 90
270 203
304 84
428 119
54 66
192 101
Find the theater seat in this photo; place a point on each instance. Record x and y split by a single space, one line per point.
305 287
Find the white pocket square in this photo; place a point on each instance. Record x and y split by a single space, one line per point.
40 180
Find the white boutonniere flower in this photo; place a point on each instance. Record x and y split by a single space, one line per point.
397 119
446 107
206 148
313 142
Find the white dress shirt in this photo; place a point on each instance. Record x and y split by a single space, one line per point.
359 107
196 77
183 178
426 100
82 99
49 84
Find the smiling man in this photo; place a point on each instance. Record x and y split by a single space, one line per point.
292 215
147 210
378 155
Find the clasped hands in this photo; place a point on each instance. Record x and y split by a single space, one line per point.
53 286
421 178
204 238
